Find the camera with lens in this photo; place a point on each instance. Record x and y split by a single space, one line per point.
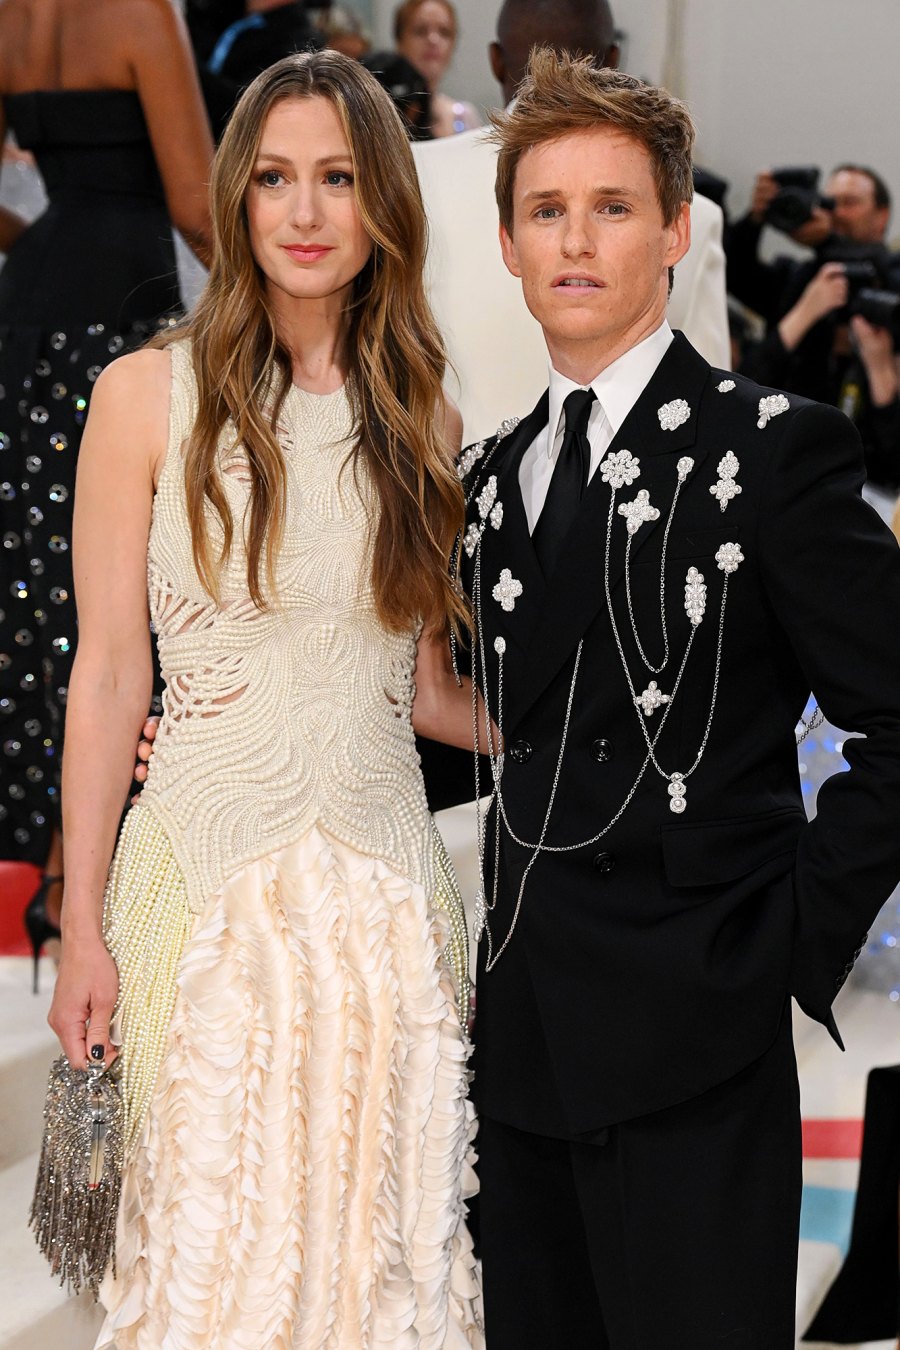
866 267
797 199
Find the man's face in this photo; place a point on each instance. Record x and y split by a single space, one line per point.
855 214
589 241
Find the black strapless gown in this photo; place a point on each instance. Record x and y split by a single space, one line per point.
94 276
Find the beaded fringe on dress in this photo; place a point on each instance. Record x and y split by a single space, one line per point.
146 922
299 1179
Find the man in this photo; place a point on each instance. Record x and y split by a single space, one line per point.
478 307
810 347
663 559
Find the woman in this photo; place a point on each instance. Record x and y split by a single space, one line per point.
293 1057
104 93
425 33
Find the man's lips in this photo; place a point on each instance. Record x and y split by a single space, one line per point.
577 281
306 252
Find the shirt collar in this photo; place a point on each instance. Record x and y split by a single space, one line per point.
617 388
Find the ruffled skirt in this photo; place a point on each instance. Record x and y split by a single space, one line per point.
300 1175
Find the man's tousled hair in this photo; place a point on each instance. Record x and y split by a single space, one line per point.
563 93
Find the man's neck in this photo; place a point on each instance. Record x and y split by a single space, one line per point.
581 362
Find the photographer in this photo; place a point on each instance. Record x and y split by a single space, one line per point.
831 320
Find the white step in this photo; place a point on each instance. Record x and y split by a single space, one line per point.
27 1049
37 1314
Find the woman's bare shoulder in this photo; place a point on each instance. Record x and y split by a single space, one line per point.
145 376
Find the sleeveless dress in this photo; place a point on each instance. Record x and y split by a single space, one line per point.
88 279
294 1065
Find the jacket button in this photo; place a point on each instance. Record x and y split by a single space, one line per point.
520 752
605 863
602 750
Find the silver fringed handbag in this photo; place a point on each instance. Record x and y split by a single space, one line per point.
76 1196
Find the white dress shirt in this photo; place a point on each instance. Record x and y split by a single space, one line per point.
617 389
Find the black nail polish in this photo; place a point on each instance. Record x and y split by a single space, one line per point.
96 1052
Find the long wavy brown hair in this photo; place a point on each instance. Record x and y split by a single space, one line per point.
396 359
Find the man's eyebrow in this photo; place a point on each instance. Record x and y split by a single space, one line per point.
544 194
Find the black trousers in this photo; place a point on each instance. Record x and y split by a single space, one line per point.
675 1231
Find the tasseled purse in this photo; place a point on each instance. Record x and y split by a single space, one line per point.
93 1117
76 1196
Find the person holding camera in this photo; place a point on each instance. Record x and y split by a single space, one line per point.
831 320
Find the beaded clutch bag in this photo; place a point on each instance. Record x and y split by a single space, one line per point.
76 1196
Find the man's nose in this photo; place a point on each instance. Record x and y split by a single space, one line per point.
579 241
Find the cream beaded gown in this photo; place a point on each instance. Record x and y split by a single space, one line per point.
294 1064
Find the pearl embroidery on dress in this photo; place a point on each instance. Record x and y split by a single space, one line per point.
277 719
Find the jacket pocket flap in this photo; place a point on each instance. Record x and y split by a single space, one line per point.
701 543
711 852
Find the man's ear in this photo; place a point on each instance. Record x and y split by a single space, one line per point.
510 254
498 62
679 235
613 56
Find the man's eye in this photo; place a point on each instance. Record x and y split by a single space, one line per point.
547 212
616 208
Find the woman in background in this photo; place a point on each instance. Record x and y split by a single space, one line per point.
425 32
104 94
293 1052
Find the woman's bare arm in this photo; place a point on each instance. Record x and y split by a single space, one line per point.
109 692
167 85
442 709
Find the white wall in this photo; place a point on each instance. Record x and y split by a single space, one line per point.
769 81
785 81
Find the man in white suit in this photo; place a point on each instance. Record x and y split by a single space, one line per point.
495 347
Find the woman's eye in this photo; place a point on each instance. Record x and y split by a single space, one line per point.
337 178
269 178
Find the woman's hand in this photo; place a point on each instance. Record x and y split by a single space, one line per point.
145 749
87 987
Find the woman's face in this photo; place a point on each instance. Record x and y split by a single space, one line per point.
306 232
428 40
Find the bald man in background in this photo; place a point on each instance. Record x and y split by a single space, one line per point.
478 305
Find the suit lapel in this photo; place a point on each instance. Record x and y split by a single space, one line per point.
574 593
510 546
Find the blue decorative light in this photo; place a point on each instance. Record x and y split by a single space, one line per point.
821 756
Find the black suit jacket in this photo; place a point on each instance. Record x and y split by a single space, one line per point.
657 962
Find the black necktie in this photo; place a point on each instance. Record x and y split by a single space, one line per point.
570 476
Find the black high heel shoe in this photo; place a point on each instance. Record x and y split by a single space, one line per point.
39 927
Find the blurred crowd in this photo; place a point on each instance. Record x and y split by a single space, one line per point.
823 319
233 41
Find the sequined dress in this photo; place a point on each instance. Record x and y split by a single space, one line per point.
294 1062
90 278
